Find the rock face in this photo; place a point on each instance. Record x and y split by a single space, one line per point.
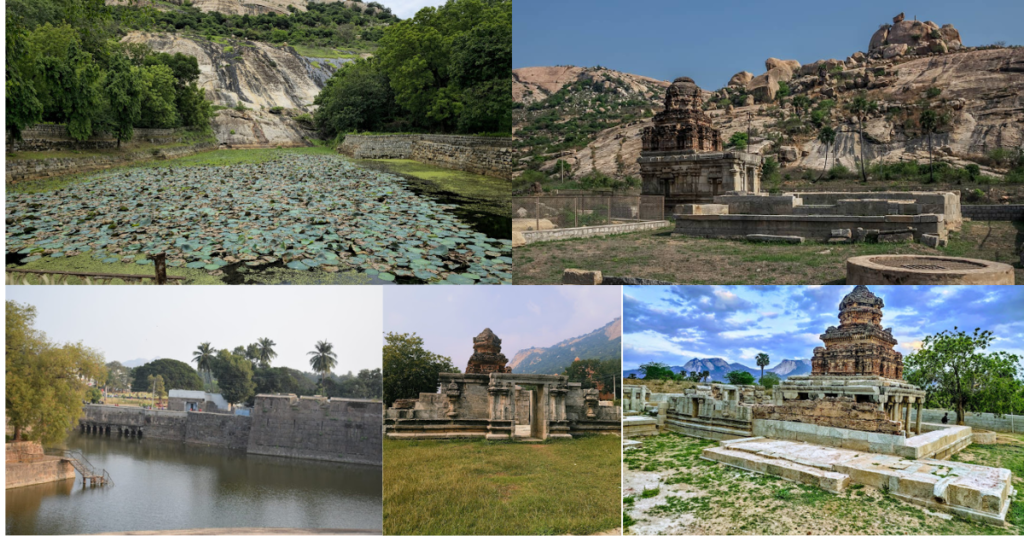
915 35
487 356
531 84
246 7
772 63
740 79
765 86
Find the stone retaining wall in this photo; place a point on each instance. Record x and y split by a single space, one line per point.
218 430
56 138
738 226
831 412
597 230
993 212
980 421
337 429
22 169
492 157
28 465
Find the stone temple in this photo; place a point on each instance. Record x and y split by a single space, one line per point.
682 157
853 420
489 401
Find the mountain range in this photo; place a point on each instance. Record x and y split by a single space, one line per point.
603 343
719 367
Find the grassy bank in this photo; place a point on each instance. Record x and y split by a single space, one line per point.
668 489
701 261
479 487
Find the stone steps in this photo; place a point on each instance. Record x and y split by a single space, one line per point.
973 491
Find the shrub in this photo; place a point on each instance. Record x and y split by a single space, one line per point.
933 92
738 140
838 171
783 90
973 170
769 380
1015 176
935 34
276 109
740 377
304 118
240 107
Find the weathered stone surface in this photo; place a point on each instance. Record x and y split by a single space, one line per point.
842 412
788 153
765 86
573 276
27 465
894 51
895 237
683 124
740 79
316 427
775 238
492 157
898 18
859 346
487 356
792 65
705 209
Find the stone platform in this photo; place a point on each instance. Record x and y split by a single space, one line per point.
973 491
636 426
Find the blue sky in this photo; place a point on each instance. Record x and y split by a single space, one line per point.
406 9
674 324
447 318
711 41
132 323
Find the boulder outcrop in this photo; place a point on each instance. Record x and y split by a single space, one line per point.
741 78
920 36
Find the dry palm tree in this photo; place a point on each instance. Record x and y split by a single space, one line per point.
203 358
324 359
929 120
861 106
762 361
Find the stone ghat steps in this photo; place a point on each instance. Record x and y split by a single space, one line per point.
972 491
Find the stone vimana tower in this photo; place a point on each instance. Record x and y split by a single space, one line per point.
683 125
487 356
859 346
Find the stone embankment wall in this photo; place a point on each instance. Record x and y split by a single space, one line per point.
993 212
338 429
56 138
492 157
21 169
979 421
530 237
835 413
28 465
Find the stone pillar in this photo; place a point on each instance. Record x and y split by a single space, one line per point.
906 417
497 391
920 409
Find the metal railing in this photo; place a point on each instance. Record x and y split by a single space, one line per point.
567 211
86 469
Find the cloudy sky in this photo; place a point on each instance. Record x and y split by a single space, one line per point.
447 318
406 9
675 324
144 323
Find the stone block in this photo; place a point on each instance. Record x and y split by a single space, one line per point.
775 238
842 233
573 276
891 238
702 210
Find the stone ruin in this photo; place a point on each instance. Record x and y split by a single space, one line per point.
489 401
833 217
682 157
853 420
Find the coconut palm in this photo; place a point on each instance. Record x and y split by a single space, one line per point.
827 136
861 106
266 351
762 361
324 359
203 358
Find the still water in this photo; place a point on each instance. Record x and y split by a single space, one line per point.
166 485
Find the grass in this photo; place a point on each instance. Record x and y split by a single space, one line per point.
687 260
333 53
701 497
479 487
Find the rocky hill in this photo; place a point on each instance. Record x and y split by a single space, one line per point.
719 367
603 343
909 67
248 7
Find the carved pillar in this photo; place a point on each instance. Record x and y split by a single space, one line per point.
590 400
920 408
906 417
453 393
497 392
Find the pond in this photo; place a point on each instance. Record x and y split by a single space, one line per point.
167 485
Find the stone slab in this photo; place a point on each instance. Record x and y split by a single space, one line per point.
775 238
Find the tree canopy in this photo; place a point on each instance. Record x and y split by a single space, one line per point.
45 382
409 369
176 374
592 373
740 377
657 371
234 375
954 370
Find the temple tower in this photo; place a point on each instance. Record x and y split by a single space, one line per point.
859 346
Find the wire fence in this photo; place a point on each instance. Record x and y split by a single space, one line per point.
567 211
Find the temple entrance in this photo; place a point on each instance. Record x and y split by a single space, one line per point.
536 428
525 403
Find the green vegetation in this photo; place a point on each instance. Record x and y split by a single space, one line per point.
65 65
596 374
409 369
952 367
448 69
762 360
44 382
933 92
738 140
740 377
234 376
485 487
323 359
769 380
176 375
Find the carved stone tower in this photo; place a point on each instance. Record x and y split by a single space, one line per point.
682 126
487 356
859 346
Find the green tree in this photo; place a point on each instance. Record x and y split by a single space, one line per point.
827 136
358 97
801 103
158 107
252 353
861 106
234 376
267 352
45 383
176 375
125 90
738 140
952 367
68 79
409 369
93 395
119 377
583 371
657 371
740 377
23 107
762 361
929 120
193 109
373 380
324 359
157 386
203 358
770 380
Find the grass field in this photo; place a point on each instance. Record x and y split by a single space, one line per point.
480 487
700 261
668 489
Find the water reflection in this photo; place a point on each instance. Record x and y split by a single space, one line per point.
165 485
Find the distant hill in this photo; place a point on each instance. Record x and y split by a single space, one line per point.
720 367
603 343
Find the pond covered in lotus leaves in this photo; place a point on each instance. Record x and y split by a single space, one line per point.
299 215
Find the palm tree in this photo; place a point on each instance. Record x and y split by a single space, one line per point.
828 137
324 359
861 106
704 375
267 353
203 357
929 120
762 361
